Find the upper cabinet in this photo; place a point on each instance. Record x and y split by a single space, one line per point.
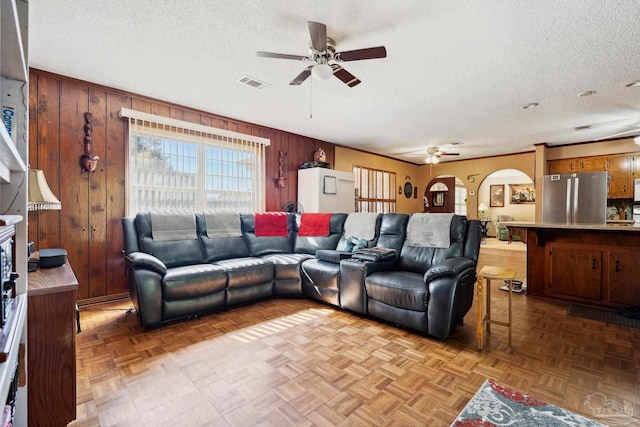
578 164
561 166
620 177
622 169
592 164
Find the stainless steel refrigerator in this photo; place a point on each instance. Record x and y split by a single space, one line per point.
576 198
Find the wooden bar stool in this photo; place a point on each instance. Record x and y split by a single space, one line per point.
483 295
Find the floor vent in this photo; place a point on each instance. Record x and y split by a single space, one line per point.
254 83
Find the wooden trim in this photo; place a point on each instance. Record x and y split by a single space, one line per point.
103 299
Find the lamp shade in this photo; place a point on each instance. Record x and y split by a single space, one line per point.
40 195
482 207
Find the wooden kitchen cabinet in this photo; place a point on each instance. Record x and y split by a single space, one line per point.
578 164
592 164
583 280
561 166
624 271
620 177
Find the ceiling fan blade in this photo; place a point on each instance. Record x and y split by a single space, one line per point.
346 77
359 54
318 34
621 134
302 76
448 154
281 56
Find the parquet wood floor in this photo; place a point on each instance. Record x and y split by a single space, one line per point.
297 362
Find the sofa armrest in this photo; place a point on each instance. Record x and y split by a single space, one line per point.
448 267
353 274
146 261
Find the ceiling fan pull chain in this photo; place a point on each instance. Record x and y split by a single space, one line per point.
311 99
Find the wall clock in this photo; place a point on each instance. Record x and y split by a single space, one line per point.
408 190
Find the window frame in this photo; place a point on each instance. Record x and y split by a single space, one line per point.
384 198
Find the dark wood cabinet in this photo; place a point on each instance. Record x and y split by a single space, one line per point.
596 264
52 346
624 276
583 279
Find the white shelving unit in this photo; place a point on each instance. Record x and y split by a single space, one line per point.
14 88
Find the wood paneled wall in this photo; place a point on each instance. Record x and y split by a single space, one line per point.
89 224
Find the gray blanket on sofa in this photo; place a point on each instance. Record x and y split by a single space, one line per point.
223 224
173 224
430 230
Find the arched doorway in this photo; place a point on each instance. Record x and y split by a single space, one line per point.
506 193
445 194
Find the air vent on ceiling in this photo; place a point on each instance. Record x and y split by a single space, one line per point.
254 83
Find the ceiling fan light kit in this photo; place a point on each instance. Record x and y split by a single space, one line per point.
432 160
322 72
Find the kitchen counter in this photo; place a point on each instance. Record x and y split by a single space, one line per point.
589 263
612 226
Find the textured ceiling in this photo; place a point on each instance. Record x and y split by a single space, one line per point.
456 70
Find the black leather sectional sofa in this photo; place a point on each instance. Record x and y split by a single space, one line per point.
426 289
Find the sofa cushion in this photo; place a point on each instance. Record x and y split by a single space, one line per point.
218 248
265 245
193 281
360 226
393 228
245 272
310 244
400 289
173 253
287 266
419 259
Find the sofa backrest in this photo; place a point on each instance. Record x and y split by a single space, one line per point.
419 259
393 230
472 240
309 244
219 248
362 225
173 253
266 245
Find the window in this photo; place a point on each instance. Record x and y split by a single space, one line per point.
461 200
180 165
375 190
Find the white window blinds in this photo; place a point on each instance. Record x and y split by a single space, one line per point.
173 164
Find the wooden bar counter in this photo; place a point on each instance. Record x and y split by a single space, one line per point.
51 346
588 263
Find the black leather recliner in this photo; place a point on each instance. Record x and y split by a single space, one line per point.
426 289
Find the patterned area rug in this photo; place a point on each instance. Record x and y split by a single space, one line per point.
496 405
601 314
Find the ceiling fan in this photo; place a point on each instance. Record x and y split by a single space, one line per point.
326 61
433 155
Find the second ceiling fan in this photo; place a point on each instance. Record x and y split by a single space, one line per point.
433 155
326 61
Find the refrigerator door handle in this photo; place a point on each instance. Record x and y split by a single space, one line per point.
576 187
567 208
